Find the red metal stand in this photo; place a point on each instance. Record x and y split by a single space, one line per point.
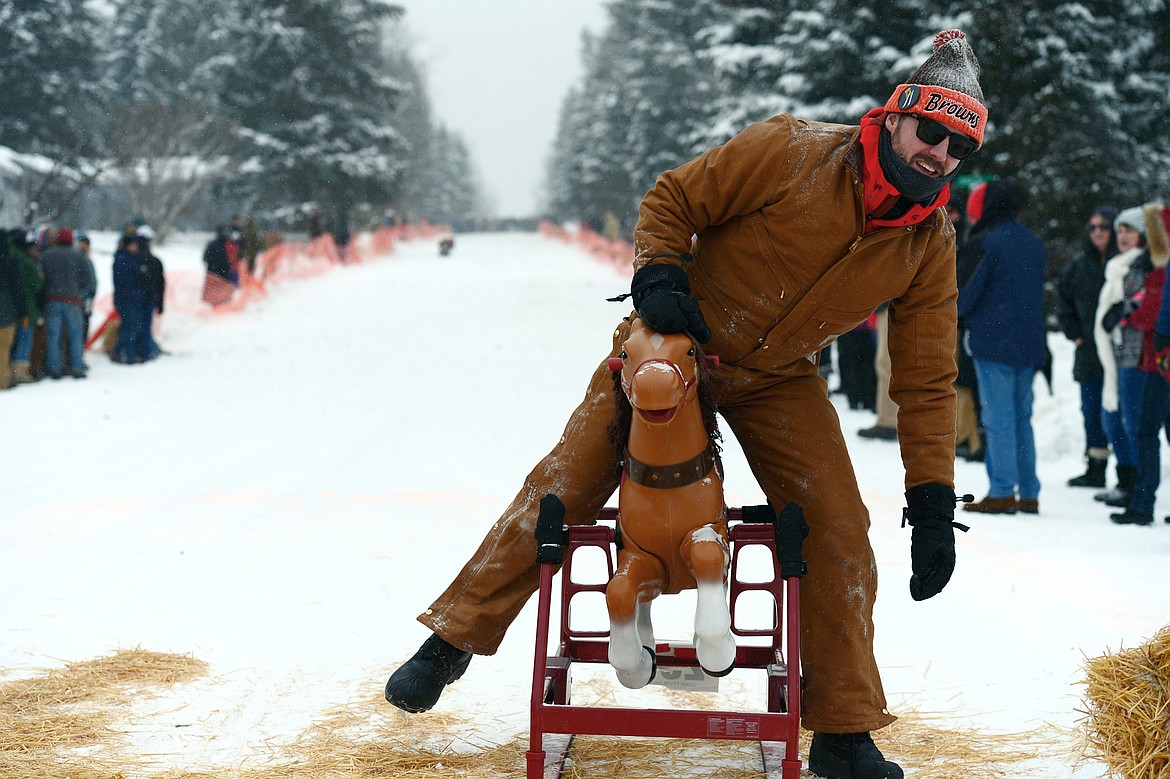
554 720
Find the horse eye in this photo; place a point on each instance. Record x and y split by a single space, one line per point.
691 352
623 355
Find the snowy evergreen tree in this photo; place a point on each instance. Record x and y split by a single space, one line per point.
169 51
646 95
452 192
438 182
309 90
171 141
831 60
1078 96
53 98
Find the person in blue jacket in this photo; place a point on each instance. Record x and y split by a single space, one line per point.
130 301
1002 306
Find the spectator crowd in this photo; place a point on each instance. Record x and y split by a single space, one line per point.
48 285
1109 304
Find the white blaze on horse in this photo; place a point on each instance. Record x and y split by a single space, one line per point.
672 516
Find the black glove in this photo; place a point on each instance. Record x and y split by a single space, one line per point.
1112 317
662 297
930 510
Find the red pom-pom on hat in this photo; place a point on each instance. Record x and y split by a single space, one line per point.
946 36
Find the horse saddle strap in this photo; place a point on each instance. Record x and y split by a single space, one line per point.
668 476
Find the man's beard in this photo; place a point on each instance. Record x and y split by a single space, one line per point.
913 185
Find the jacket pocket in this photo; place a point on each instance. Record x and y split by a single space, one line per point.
787 344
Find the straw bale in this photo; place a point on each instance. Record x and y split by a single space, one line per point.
1126 722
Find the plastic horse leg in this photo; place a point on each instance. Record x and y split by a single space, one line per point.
638 580
706 554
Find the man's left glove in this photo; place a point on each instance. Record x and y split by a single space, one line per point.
930 511
662 297
1162 355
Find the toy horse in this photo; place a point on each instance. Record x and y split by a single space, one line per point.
672 517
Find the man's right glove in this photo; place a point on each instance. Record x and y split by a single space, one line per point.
930 511
1162 355
662 297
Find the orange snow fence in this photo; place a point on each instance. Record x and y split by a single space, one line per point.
617 254
188 289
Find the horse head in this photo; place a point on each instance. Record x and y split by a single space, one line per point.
659 372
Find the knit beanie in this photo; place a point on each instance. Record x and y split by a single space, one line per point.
1004 199
945 88
1131 217
975 202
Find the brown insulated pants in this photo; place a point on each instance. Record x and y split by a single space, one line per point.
791 436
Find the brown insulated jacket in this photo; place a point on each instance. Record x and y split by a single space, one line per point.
783 265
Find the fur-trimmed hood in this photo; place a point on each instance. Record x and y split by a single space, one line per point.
1157 239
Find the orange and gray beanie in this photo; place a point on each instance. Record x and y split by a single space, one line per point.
945 88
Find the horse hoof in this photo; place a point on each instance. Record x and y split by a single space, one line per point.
717 653
641 676
722 673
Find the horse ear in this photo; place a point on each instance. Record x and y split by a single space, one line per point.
616 363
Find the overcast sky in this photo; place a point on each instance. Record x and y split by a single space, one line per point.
497 73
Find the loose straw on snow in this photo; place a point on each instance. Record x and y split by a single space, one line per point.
48 720
1127 710
64 723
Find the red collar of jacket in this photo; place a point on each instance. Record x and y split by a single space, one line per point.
880 195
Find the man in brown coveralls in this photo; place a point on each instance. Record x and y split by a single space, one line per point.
804 228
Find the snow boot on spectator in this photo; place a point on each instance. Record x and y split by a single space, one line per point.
849 756
990 505
21 373
1128 517
1119 495
1094 475
416 686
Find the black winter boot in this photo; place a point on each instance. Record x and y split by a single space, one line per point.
1094 475
849 756
417 685
1119 495
1128 517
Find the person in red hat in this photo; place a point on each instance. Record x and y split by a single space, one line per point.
803 229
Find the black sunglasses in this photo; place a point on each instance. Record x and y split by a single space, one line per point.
932 133
1104 228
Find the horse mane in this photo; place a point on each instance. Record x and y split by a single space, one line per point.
710 388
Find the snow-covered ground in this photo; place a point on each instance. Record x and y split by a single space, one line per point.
284 492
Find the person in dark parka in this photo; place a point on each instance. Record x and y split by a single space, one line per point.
1002 306
130 300
1077 293
154 282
